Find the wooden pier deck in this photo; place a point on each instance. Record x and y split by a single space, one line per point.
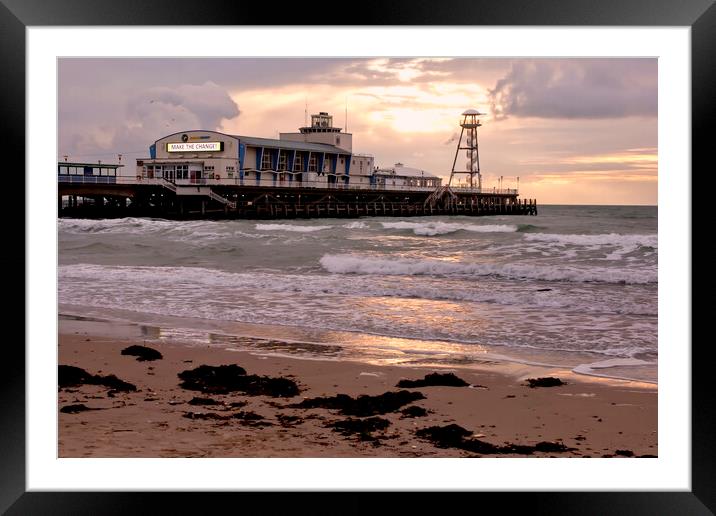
163 199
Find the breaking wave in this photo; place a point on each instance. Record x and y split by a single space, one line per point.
589 240
124 225
444 228
356 264
290 227
356 225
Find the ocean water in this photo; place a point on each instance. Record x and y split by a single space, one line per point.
575 286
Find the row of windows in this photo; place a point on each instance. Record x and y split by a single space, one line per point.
267 160
268 157
87 171
182 171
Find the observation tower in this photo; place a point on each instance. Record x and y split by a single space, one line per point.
468 143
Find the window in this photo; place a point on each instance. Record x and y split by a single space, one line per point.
266 160
313 163
230 171
298 162
182 171
282 160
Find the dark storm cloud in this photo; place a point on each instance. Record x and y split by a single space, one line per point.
577 88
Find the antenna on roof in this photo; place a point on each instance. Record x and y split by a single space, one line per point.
346 119
305 114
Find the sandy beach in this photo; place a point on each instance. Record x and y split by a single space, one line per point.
497 414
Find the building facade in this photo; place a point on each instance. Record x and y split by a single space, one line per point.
405 177
318 155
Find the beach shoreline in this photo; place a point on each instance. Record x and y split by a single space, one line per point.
590 416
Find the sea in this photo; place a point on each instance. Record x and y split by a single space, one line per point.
573 287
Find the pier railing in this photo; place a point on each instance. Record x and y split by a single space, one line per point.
270 182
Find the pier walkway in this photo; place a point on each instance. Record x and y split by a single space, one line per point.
121 196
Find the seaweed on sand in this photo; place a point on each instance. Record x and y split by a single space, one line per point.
71 376
455 436
363 405
231 378
435 379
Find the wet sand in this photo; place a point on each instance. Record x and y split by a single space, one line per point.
592 417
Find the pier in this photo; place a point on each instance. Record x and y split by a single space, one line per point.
110 195
307 174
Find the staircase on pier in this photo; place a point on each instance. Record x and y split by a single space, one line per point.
438 195
197 190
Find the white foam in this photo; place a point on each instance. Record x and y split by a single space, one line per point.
356 225
596 368
290 227
174 278
444 228
592 240
357 264
123 225
191 232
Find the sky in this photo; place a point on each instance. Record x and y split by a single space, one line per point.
574 131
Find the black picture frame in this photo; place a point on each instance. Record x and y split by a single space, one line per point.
17 15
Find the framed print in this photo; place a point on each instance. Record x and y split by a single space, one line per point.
360 257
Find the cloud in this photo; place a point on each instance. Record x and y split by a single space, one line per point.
208 103
571 88
148 115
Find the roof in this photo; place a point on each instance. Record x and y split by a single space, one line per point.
472 112
96 165
288 144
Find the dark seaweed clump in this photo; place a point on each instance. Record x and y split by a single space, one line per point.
205 415
548 381
231 378
74 409
364 405
413 411
203 401
455 436
361 427
435 380
143 353
71 376
245 416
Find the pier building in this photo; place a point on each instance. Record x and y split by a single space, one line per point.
310 173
